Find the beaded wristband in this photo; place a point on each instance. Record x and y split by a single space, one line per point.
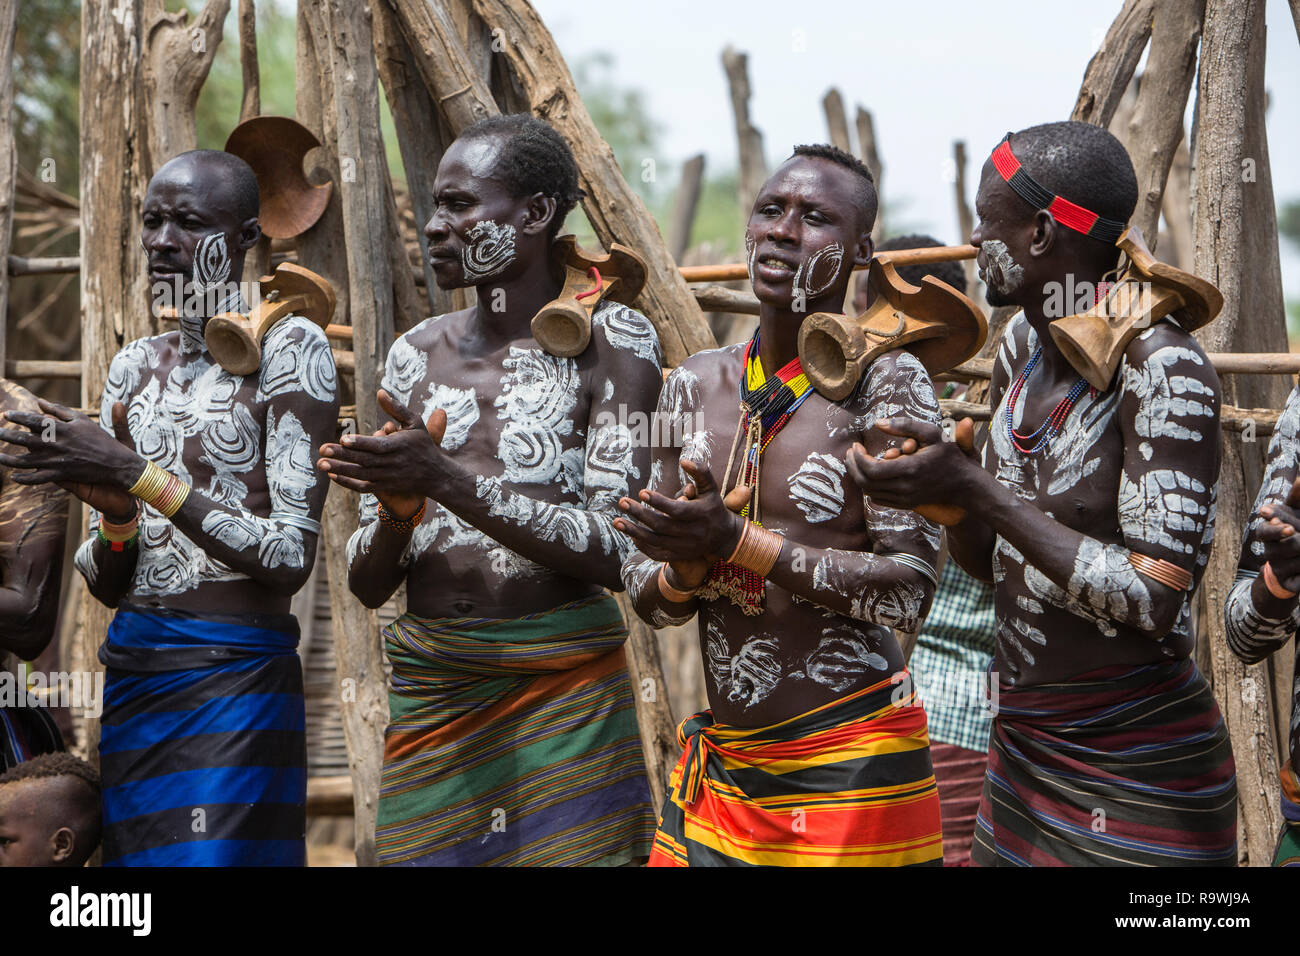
1275 586
670 592
757 549
402 525
161 489
118 536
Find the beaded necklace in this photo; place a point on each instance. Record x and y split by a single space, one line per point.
1050 428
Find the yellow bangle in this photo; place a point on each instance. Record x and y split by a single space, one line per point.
161 489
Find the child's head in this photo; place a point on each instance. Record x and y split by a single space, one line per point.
49 812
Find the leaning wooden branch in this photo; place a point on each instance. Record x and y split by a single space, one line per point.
616 213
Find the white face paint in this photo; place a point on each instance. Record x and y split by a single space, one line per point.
489 252
1003 272
827 261
817 487
751 250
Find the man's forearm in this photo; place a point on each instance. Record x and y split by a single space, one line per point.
581 543
890 590
641 578
970 544
378 557
108 573
1256 621
1087 576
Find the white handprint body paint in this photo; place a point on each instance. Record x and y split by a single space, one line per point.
1283 454
489 252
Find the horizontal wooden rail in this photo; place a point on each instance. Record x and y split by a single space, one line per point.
20 266
329 796
1233 419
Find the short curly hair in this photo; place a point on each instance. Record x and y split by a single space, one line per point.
58 764
534 158
865 196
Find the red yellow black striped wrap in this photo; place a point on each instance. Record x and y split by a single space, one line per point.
847 784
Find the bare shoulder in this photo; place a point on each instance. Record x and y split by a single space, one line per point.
1165 350
296 357
617 328
897 383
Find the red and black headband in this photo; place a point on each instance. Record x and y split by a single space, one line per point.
1063 211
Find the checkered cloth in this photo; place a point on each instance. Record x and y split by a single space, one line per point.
951 660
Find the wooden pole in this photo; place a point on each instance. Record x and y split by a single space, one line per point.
837 122
1176 204
615 212
965 218
1228 81
1112 66
653 708
114 284
869 152
258 261
420 137
251 105
1155 127
177 58
342 54
8 157
684 205
749 141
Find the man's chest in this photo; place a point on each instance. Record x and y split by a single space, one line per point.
200 417
1072 473
802 477
523 417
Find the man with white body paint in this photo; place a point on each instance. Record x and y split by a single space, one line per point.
1093 515
205 512
513 735
1262 611
797 579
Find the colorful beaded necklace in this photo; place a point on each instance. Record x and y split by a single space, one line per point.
766 403
1050 428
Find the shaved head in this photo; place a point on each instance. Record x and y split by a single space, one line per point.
230 182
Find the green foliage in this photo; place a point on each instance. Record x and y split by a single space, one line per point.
217 111
46 66
1288 221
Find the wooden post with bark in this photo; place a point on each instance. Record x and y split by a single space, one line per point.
837 122
1230 91
176 61
114 282
8 161
685 203
749 141
965 218
341 54
870 155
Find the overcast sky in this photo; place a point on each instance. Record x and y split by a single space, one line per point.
931 71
